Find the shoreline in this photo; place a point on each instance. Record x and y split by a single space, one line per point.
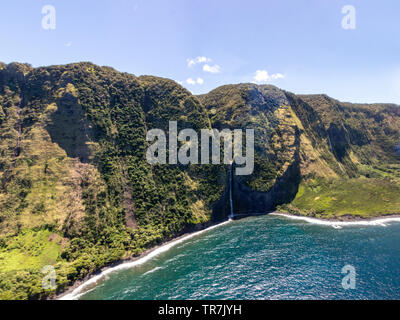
348 221
85 285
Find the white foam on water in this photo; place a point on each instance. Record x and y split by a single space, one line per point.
152 270
80 290
339 224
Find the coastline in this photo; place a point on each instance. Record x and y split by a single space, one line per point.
347 221
80 287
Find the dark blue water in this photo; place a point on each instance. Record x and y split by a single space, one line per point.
268 257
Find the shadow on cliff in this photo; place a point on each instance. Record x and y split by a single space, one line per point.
69 129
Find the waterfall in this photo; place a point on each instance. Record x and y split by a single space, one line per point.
231 215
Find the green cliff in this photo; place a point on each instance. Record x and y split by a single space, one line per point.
77 193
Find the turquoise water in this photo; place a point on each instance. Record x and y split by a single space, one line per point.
267 257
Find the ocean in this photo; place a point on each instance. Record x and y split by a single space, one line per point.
264 257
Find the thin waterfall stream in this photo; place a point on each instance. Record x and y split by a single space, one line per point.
232 214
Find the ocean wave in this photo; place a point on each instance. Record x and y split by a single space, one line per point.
93 281
339 224
152 270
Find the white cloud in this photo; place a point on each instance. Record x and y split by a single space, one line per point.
197 60
263 76
193 82
68 44
190 81
212 69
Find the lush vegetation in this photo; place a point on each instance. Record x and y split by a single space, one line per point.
73 164
345 198
346 153
77 193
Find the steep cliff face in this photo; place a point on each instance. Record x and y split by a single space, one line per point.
314 155
77 191
265 109
74 173
362 141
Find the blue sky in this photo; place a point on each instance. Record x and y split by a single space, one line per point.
297 45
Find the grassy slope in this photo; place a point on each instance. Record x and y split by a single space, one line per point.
30 249
358 197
